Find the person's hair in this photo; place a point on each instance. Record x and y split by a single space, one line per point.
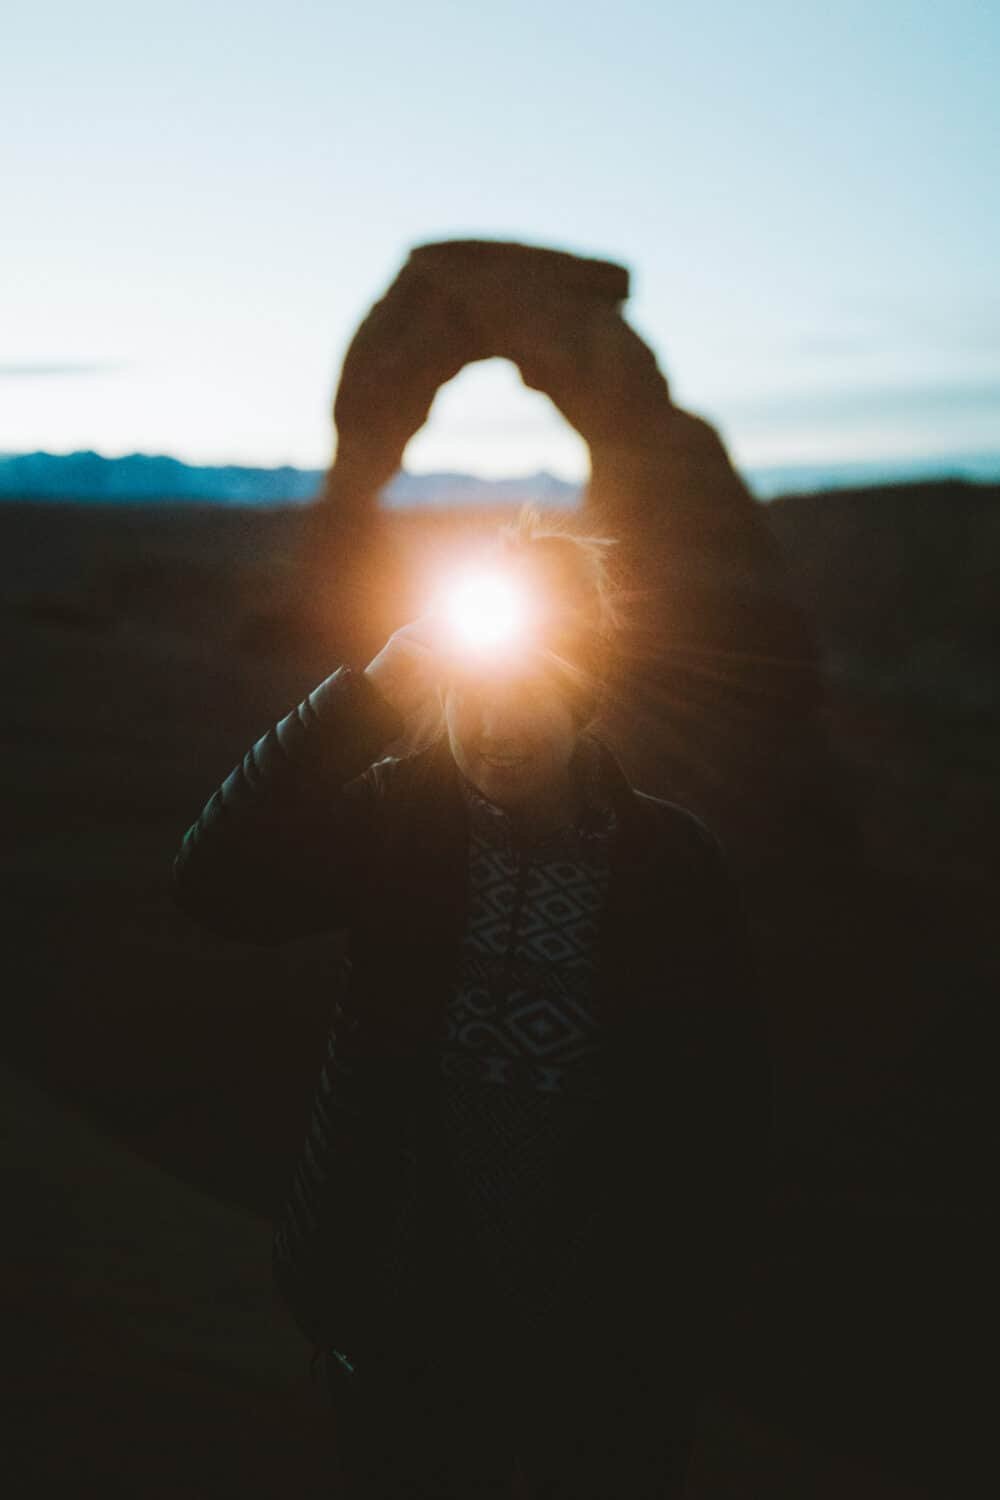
571 570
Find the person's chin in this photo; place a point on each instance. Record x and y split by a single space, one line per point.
502 781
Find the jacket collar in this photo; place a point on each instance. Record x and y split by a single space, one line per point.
609 790
596 819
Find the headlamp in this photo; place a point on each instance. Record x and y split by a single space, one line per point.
499 623
488 613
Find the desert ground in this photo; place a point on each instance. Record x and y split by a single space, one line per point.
157 1080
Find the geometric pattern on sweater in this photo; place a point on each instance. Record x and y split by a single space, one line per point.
521 1055
560 902
522 1010
520 1024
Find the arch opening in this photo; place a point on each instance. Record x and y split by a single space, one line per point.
489 439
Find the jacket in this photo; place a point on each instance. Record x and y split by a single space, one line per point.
312 832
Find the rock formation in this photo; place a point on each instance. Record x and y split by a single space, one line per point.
718 700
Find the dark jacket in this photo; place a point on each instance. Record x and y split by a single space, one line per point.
308 835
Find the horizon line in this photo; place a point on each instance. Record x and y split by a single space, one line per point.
894 460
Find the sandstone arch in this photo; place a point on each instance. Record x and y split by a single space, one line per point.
720 704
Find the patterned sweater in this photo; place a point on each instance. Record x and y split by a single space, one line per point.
514 1085
519 1067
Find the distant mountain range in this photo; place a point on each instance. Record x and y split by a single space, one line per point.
141 478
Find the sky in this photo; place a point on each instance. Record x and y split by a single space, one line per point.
201 201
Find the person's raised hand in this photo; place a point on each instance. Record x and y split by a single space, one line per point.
410 668
413 341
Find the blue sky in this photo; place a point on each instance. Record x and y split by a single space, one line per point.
200 202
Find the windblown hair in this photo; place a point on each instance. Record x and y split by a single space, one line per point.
574 563
570 567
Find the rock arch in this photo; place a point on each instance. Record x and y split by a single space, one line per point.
720 698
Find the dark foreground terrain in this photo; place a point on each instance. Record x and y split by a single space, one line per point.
158 1079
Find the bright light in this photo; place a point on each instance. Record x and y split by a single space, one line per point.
487 611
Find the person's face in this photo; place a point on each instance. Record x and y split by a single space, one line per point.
511 736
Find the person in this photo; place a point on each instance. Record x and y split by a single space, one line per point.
539 1137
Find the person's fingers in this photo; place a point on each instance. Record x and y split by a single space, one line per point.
428 632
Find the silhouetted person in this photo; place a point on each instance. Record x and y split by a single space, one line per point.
540 1132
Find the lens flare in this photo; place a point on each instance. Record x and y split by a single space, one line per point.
486 611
